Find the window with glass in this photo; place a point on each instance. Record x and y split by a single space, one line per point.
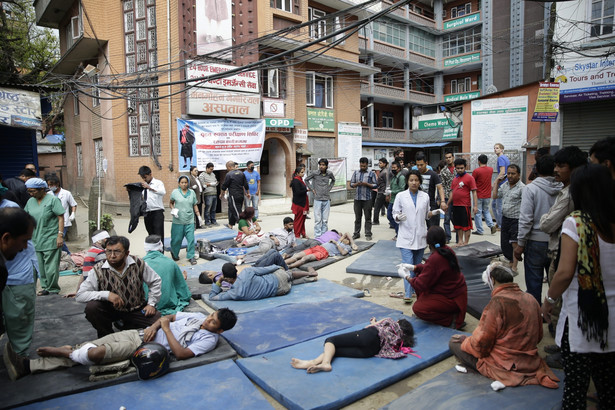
389 32
274 83
285 5
422 42
324 27
461 10
79 151
386 79
461 42
319 90
461 85
602 18
387 119
76 107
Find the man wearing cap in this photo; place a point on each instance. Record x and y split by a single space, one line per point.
94 255
48 235
175 295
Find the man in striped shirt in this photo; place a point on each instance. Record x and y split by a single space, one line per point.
94 255
364 181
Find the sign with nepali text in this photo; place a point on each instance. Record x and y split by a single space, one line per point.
19 108
202 101
246 81
320 119
547 103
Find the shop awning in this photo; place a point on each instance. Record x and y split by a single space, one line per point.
391 144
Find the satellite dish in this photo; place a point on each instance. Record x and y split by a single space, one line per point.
491 89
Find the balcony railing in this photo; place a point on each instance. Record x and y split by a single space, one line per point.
413 96
392 135
389 91
389 49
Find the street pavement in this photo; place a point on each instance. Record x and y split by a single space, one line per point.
272 212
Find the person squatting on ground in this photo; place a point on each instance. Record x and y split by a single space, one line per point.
185 335
114 290
237 185
503 347
320 183
442 293
48 235
385 338
183 205
585 282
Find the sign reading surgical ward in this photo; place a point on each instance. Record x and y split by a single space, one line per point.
19 108
246 81
462 21
220 140
202 101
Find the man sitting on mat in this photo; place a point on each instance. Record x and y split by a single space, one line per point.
185 335
256 282
343 246
503 346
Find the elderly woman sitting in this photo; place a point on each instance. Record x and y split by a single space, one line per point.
503 346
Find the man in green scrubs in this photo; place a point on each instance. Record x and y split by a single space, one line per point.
48 235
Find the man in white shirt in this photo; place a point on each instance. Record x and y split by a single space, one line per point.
68 203
185 335
113 291
153 193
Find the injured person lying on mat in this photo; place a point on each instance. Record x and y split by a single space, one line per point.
342 246
185 335
503 347
257 282
385 338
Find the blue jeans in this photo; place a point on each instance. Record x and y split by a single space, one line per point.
536 263
390 217
496 206
64 247
483 209
210 209
272 257
321 217
413 257
252 202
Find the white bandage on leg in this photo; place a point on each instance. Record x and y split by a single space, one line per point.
81 355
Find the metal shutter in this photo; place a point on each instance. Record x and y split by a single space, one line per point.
17 148
587 122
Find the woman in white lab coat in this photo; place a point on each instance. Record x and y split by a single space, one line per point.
411 211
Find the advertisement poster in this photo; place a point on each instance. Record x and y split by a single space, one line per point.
547 103
19 108
213 25
502 120
349 144
218 141
338 167
586 79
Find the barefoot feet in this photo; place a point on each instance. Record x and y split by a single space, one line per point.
301 364
319 368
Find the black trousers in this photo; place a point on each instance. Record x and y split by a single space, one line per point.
235 204
361 343
154 222
363 208
378 206
101 314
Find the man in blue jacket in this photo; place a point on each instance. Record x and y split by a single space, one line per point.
257 282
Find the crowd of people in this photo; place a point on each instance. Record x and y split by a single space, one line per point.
561 225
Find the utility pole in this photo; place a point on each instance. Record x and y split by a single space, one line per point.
549 58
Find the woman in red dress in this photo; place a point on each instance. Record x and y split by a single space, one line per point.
301 205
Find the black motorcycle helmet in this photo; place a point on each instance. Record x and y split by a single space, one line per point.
151 360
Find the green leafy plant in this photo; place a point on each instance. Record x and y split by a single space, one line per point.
106 223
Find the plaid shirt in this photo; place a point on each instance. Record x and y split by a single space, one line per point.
511 199
364 193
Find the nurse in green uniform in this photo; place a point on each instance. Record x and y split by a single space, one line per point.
48 235
183 208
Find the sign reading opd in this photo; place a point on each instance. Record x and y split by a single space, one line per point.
279 122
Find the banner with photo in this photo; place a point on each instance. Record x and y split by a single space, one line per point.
213 25
20 108
218 141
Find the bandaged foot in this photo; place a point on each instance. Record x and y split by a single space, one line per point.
81 355
497 386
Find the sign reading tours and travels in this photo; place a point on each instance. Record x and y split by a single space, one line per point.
449 131
246 81
462 21
220 140
465 59
320 119
19 108
586 79
547 103
203 101
349 144
502 120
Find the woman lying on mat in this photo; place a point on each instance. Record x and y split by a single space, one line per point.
385 338
442 294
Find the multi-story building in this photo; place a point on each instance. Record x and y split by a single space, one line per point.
584 66
435 54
